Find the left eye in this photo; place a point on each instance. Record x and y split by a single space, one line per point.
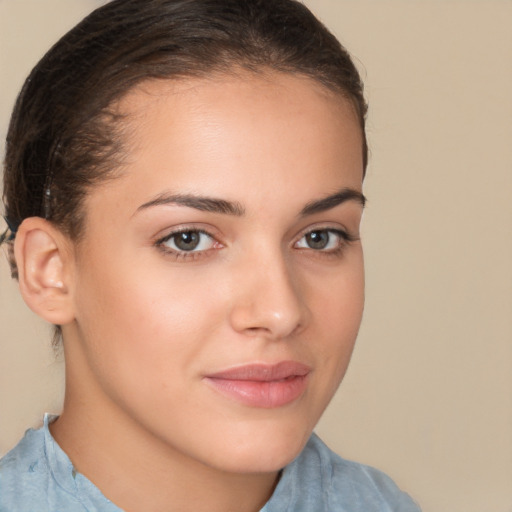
321 240
188 241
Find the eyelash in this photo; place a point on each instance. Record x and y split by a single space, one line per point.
345 238
182 254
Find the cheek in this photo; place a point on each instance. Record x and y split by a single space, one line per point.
338 305
337 311
152 319
147 333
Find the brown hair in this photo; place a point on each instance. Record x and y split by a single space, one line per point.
64 137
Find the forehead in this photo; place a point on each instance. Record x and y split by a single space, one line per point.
242 137
230 91
232 105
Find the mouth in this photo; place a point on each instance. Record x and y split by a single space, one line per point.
262 385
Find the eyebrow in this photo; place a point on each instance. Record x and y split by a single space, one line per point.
344 195
213 205
205 204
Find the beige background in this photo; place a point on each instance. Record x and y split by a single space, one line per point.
428 397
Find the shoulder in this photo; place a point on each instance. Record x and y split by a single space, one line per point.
23 470
24 458
36 475
27 481
356 483
321 480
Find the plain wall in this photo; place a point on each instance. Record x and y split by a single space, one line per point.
428 396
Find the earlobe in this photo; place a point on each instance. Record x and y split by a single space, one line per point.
44 260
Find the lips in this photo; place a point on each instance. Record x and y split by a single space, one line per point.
262 385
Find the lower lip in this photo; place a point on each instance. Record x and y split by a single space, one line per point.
264 394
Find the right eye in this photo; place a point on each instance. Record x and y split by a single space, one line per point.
187 241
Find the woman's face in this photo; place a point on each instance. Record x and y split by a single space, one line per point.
219 287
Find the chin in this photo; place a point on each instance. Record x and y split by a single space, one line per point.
261 450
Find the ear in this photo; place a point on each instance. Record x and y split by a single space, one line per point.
44 259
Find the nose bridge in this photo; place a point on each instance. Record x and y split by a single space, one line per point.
268 299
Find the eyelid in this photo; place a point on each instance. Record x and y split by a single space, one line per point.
202 234
342 231
345 238
160 241
169 231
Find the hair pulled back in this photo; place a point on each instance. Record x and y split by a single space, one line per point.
65 136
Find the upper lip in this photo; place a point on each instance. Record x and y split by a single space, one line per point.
263 372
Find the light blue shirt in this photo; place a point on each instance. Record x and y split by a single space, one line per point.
37 476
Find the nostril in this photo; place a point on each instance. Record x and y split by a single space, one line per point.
258 331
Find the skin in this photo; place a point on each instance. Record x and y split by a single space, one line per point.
148 324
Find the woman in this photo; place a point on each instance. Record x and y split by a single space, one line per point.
183 189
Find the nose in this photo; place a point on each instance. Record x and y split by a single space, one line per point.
268 301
